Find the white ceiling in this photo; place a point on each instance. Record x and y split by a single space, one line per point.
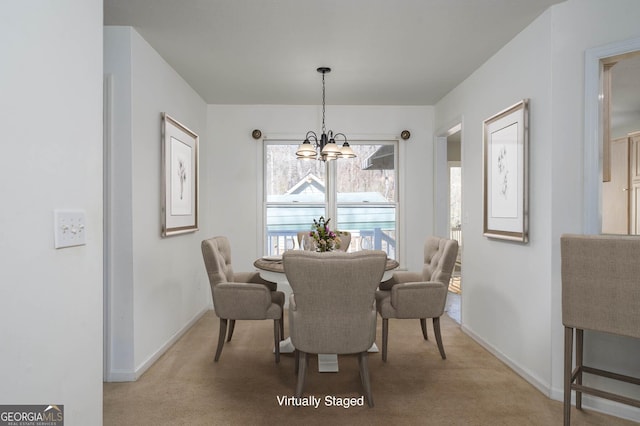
382 52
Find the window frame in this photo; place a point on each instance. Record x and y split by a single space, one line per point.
330 204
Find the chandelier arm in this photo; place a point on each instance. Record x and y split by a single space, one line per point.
311 136
340 134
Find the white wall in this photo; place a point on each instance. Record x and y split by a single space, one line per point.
512 293
500 276
235 181
579 25
631 124
51 300
158 286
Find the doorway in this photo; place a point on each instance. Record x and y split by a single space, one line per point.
448 201
621 137
594 123
454 165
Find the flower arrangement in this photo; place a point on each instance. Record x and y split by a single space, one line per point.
324 238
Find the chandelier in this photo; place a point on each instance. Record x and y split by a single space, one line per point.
325 147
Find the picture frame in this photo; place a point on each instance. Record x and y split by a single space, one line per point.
179 178
505 170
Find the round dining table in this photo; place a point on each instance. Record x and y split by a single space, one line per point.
271 268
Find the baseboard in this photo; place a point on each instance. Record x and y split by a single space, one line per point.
532 379
121 376
157 354
589 402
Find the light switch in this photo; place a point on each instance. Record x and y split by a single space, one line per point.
69 228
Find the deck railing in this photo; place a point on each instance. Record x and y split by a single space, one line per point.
377 239
456 234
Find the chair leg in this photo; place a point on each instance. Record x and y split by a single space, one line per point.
360 370
385 337
302 372
436 330
579 347
276 338
423 325
296 356
568 362
232 325
282 325
221 336
363 361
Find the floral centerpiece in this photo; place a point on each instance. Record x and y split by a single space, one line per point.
324 238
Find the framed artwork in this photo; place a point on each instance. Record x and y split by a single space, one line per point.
179 178
505 170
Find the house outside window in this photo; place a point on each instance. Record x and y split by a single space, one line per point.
359 195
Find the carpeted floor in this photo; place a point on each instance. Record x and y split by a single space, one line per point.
452 307
414 387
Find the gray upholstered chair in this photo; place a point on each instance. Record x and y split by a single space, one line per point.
419 295
600 292
240 295
305 242
332 308
345 238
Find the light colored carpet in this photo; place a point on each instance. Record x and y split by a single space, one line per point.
415 386
452 307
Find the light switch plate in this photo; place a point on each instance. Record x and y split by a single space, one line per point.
69 228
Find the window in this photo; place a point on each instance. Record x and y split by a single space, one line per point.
360 195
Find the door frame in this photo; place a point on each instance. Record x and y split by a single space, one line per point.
441 177
594 129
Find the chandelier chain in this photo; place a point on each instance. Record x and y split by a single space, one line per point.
323 102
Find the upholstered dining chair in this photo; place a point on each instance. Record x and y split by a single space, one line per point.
332 307
345 240
419 295
240 295
305 242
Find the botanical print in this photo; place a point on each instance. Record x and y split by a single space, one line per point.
503 177
180 178
506 188
503 170
182 175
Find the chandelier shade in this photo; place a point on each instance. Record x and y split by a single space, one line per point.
324 147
